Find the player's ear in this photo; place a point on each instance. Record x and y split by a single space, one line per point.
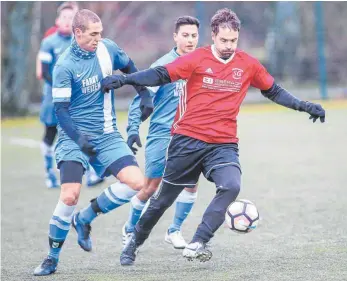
78 32
175 37
213 35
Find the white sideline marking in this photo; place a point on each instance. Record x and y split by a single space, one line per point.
25 142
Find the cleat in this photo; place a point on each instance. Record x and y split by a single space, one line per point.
126 236
83 233
129 252
176 239
47 267
197 251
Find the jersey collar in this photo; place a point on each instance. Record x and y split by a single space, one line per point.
79 52
174 52
214 52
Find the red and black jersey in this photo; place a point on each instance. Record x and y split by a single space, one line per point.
215 89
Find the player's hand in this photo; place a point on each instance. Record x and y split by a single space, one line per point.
132 139
315 110
146 106
86 147
112 82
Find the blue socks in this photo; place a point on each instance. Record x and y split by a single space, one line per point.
59 227
184 204
111 198
135 213
47 152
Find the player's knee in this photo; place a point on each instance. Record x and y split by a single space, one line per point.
231 185
70 199
136 183
70 193
165 195
227 178
133 177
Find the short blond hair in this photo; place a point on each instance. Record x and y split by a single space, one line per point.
82 18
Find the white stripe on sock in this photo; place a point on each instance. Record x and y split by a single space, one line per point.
46 150
111 198
122 191
58 224
64 212
137 203
187 197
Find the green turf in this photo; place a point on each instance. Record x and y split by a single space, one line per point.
293 170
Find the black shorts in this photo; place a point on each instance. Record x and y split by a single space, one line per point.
188 157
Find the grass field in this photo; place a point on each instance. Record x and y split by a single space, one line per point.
293 170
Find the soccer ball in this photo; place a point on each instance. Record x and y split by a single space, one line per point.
242 216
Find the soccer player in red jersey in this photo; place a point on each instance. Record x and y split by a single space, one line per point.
205 128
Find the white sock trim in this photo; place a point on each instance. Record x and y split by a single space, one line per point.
47 150
137 204
64 212
123 191
187 197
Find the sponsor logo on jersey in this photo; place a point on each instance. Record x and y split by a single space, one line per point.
237 73
90 85
209 70
207 80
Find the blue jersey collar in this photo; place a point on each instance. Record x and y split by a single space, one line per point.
79 52
174 52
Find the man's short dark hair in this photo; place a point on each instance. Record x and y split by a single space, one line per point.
186 20
225 18
67 5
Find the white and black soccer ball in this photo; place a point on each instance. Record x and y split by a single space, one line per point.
242 216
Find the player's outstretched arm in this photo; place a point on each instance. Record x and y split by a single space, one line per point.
281 96
143 109
150 77
131 68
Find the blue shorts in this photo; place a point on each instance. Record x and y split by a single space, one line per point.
47 111
189 157
110 148
155 155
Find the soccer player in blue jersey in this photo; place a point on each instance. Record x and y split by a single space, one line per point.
51 48
88 133
165 99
